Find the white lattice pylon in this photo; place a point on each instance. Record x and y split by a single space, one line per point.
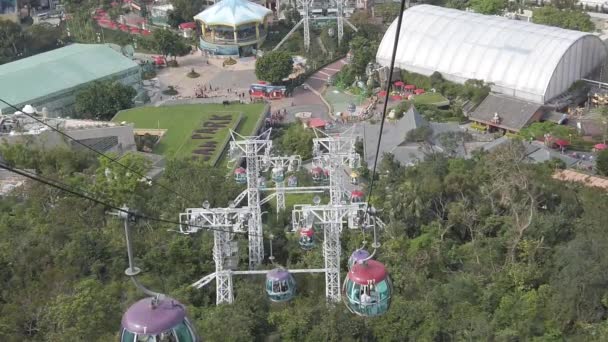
253 148
223 221
331 218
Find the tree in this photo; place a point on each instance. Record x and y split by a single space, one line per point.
488 6
43 37
11 41
102 100
364 52
183 11
296 140
601 163
168 44
568 19
387 11
292 15
274 66
419 134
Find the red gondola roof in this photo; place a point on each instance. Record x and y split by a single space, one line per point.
185 26
356 193
410 86
399 84
316 123
371 270
601 146
307 232
382 93
317 169
240 170
419 91
562 142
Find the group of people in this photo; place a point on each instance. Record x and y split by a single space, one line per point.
276 118
207 91
279 287
368 295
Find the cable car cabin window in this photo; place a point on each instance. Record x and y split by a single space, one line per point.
127 336
382 289
352 291
183 333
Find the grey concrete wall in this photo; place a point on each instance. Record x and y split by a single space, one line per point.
51 139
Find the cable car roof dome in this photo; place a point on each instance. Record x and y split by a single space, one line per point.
359 255
307 232
278 274
371 270
233 13
240 170
145 318
357 193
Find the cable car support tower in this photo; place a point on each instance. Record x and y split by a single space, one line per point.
304 6
333 153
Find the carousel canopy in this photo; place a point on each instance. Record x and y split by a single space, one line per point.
233 13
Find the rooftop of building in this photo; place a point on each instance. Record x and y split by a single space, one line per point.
513 113
233 13
58 70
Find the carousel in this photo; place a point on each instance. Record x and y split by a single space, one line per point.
233 27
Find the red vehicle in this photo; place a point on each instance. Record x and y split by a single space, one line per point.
267 91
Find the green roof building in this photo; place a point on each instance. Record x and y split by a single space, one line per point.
52 79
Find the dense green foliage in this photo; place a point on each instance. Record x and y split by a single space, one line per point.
364 48
564 18
103 99
274 66
18 42
183 11
602 163
472 90
169 43
488 6
294 139
387 11
486 249
538 129
419 134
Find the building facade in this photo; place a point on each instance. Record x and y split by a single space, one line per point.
527 61
52 79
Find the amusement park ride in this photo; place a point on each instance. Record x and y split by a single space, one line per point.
304 6
367 288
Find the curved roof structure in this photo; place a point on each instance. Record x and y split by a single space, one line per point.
233 13
525 60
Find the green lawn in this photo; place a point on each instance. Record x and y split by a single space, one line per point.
181 121
430 98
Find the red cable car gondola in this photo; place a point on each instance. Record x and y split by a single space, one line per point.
367 289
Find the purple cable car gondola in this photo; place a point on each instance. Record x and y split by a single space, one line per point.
280 285
155 320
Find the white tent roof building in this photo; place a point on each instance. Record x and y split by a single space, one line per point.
233 13
521 59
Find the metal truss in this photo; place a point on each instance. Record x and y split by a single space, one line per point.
252 148
288 163
305 5
225 222
331 217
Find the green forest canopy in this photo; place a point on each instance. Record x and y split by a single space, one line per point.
481 249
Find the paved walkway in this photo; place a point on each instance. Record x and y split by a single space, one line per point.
236 77
319 79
